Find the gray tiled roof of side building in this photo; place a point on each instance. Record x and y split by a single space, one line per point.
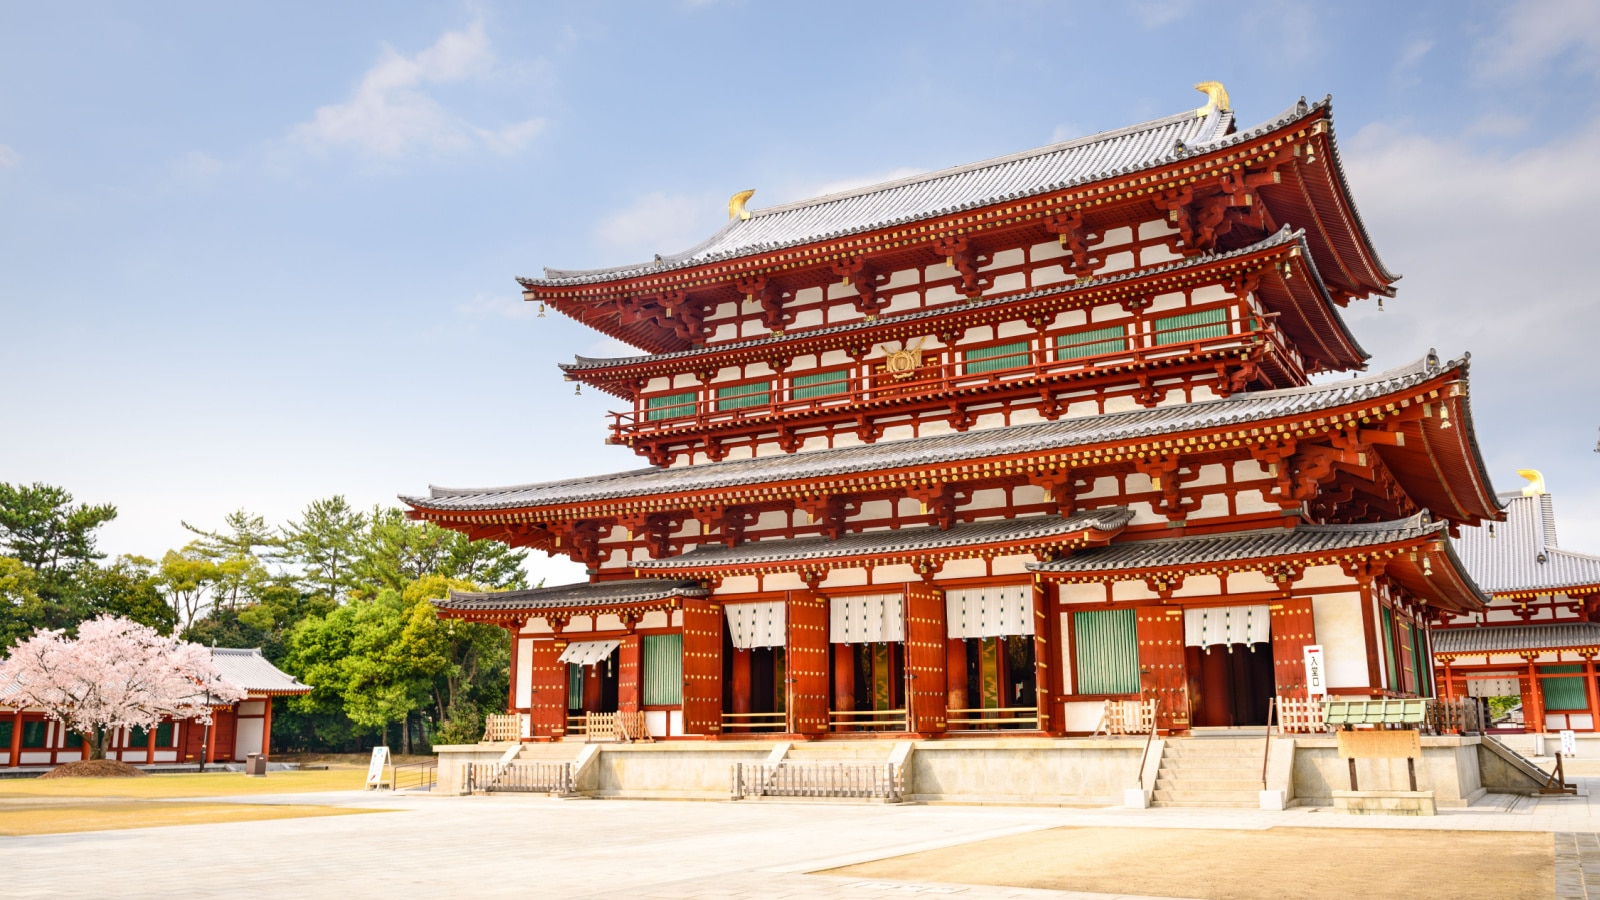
1283 236
1208 549
1238 410
1511 638
1050 168
250 670
1510 561
900 540
587 593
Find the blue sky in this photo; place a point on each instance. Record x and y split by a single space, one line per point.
254 254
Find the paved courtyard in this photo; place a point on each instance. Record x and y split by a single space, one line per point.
532 846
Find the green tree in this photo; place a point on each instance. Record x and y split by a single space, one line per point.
45 530
397 552
239 550
128 588
323 545
20 602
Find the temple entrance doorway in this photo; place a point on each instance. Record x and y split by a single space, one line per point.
1230 685
867 679
1000 675
592 687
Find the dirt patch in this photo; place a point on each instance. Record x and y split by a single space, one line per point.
95 768
1287 863
55 818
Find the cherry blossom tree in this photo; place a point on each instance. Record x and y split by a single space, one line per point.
115 674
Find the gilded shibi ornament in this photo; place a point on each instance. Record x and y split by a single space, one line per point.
903 363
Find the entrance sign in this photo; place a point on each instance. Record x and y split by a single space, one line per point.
1316 680
380 758
1569 743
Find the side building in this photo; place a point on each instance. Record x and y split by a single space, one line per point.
30 738
1539 635
982 449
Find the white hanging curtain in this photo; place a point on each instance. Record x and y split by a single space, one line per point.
587 653
752 625
995 611
866 619
1226 625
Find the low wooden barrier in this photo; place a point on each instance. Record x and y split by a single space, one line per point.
1124 717
1297 716
498 728
527 777
1020 717
619 727
866 782
754 722
867 719
1455 717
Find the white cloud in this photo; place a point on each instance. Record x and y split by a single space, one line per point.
1155 13
498 306
1534 33
9 158
390 115
1496 249
840 185
659 223
1412 56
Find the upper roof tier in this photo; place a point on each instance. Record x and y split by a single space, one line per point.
1289 161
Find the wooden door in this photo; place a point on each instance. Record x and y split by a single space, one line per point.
628 668
702 667
926 652
807 654
549 689
1162 673
1293 627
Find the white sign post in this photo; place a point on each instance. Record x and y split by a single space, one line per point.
1316 679
380 759
1569 743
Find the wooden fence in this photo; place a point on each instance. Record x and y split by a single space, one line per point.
864 781
614 726
1025 718
528 777
1301 716
498 729
1124 717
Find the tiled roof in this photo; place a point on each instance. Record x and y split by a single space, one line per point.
585 594
1283 237
897 541
970 186
1210 549
1523 554
1238 410
1510 638
250 670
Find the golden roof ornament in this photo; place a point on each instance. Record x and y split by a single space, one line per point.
1216 98
903 363
1535 485
736 204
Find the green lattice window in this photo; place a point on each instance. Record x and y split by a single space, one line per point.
1388 649
669 406
5 734
820 384
1105 652
663 669
1424 663
33 734
992 359
1186 327
1095 341
1562 694
744 396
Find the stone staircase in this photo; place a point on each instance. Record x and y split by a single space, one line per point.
855 753
549 752
1209 772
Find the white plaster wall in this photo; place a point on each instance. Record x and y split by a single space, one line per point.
898 574
963 568
738 584
1249 582
1092 592
1200 586
1324 576
1131 590
1342 634
524 696
654 619
782 581
1012 565
1080 715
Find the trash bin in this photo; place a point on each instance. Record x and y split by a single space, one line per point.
255 765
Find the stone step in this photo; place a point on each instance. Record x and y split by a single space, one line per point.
1210 762
549 752
1253 803
1248 797
840 754
1215 748
1164 783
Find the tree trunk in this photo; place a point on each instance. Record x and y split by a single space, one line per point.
405 735
97 747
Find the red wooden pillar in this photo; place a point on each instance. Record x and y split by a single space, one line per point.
514 629
149 744
211 739
844 679
1533 701
266 730
1588 692
629 691
591 686
742 688
16 738
955 672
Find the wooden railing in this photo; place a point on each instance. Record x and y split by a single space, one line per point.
754 722
869 782
867 719
1463 716
498 728
578 725
1018 717
528 777
1124 717
935 378
422 776
614 726
1298 716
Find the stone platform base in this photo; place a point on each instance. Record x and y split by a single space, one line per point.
1384 803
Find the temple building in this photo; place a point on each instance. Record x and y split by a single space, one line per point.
1538 637
978 450
30 738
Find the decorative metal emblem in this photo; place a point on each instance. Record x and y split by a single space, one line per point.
903 363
